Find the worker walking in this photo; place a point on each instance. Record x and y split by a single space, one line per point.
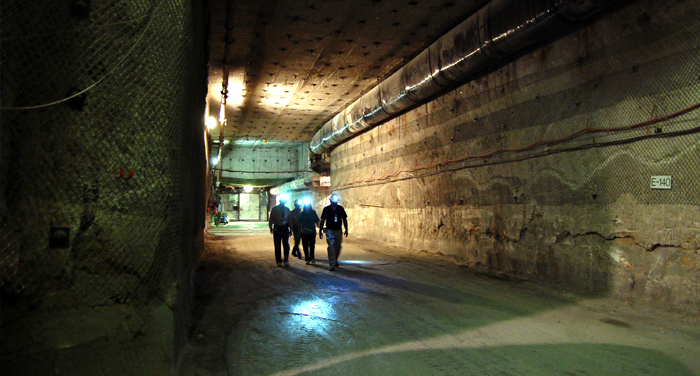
296 228
308 219
333 217
280 219
213 212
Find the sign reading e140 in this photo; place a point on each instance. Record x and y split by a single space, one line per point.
661 182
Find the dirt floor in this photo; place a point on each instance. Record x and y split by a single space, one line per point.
390 311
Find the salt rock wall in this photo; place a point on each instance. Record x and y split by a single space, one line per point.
542 167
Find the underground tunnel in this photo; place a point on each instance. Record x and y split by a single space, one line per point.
491 187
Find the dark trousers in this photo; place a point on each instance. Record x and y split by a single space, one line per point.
281 237
309 243
296 232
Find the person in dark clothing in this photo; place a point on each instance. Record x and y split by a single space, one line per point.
333 217
296 228
214 210
279 227
308 219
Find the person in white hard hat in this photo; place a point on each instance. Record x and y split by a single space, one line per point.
334 218
308 220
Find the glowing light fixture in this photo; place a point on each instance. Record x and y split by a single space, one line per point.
278 95
211 122
222 113
247 188
236 91
215 160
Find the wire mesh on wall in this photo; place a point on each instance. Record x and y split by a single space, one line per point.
99 131
593 121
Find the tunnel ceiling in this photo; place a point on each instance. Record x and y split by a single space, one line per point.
295 64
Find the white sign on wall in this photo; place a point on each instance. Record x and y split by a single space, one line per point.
321 181
661 182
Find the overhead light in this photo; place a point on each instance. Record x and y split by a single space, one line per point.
215 160
236 91
211 122
247 188
222 113
278 95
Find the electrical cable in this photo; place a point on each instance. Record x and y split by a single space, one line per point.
119 63
6 39
523 158
356 183
262 172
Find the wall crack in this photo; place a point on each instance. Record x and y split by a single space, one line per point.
659 245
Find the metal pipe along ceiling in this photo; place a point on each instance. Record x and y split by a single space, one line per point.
230 17
496 31
293 185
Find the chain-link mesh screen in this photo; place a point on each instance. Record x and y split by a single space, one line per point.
619 104
543 165
101 128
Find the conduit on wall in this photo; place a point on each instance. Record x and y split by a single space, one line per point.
496 31
293 185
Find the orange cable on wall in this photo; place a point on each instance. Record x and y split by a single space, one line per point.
536 144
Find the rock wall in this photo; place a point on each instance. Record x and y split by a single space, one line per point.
273 157
102 194
542 167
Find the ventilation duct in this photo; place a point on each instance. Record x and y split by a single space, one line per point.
496 31
301 183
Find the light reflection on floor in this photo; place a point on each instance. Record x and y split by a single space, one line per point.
314 308
239 228
355 262
383 313
525 331
310 317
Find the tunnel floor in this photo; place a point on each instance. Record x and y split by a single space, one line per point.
392 311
